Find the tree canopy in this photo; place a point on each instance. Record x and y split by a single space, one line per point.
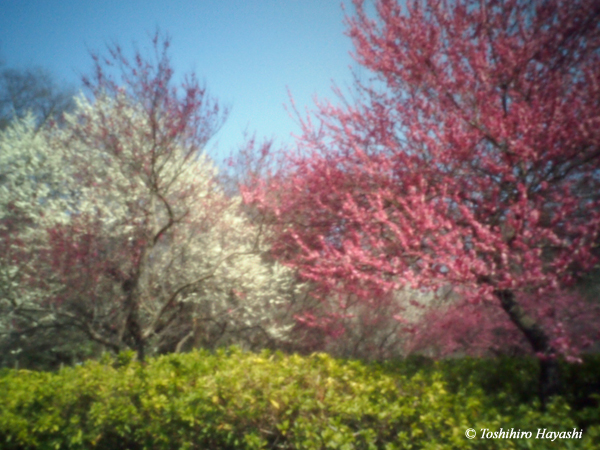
473 162
114 227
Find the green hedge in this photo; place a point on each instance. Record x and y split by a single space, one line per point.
238 400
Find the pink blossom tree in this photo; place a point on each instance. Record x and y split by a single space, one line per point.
471 161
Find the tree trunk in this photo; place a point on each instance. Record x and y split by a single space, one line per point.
138 340
135 332
549 381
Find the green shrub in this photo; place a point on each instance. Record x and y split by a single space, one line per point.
237 400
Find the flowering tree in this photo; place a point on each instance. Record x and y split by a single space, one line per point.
143 249
32 198
475 165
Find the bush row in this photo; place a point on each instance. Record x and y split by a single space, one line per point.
237 400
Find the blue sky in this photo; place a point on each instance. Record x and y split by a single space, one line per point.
249 52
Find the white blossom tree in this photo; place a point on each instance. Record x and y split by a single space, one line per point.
33 198
128 235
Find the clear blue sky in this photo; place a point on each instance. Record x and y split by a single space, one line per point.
247 51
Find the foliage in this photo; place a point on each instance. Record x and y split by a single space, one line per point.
236 400
475 167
